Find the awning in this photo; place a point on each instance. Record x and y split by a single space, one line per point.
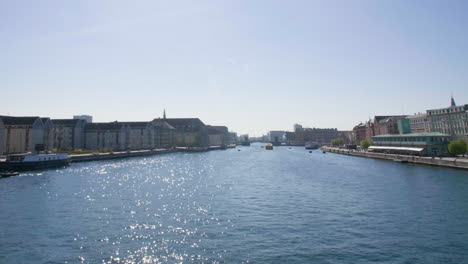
396 148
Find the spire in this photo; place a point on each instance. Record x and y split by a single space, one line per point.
164 114
452 102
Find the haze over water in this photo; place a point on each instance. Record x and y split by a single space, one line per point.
253 205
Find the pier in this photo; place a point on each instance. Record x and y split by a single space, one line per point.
448 162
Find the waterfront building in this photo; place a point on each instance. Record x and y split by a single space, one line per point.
69 134
48 134
359 133
232 138
276 137
419 123
298 128
320 135
87 118
113 136
347 136
189 132
139 135
422 144
383 125
22 134
163 134
452 120
243 139
218 135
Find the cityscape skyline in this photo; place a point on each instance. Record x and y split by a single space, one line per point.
254 67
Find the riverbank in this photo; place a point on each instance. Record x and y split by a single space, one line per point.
135 153
448 162
117 155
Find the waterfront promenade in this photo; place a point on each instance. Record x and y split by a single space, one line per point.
448 162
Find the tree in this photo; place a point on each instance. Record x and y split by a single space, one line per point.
365 144
457 147
337 142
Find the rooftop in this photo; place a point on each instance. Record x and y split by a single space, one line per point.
177 122
422 134
66 121
19 120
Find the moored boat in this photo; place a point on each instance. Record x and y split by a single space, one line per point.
8 174
29 161
311 145
269 147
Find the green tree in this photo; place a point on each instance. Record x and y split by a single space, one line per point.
337 142
365 144
457 147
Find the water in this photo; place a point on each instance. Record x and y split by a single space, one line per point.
248 206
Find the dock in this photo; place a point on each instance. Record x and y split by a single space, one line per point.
447 162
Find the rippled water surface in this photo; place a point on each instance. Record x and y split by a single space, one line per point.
247 206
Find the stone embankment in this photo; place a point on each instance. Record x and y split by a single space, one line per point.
449 162
117 155
135 153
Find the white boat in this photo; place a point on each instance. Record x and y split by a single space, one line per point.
311 145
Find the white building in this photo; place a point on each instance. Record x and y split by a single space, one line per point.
276 136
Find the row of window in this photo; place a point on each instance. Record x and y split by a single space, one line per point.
410 139
446 110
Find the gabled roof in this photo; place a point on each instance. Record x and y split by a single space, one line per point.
19 120
162 123
103 126
66 122
136 125
182 122
217 129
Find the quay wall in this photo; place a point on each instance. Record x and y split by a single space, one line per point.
135 153
452 162
117 155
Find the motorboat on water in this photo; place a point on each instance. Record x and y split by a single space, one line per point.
8 174
269 147
30 161
311 145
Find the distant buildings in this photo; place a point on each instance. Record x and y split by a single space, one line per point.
381 125
276 137
233 138
189 132
452 120
49 134
422 134
29 134
87 118
218 136
113 136
419 123
69 133
22 134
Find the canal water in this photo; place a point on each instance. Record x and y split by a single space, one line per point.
244 205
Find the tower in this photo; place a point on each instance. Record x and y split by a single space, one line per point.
164 114
452 102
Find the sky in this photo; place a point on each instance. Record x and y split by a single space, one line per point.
253 66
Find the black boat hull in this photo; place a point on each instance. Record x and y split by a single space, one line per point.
33 165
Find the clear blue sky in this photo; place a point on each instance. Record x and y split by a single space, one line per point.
251 65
